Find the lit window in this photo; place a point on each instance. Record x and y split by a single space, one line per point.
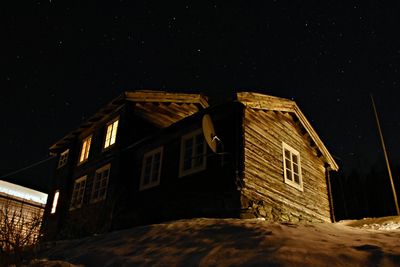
193 153
63 158
85 149
111 134
55 202
292 167
151 168
100 183
78 193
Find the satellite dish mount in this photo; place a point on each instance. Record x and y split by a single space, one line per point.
210 136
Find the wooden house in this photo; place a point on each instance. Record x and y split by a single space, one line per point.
143 159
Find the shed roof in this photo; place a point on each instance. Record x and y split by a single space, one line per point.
158 107
267 102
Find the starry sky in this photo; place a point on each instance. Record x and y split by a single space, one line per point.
63 60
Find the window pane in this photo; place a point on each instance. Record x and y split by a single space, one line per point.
55 202
296 179
157 159
287 154
295 159
108 136
188 156
199 151
151 172
114 132
78 193
288 164
83 151
147 171
289 175
187 164
156 167
291 160
295 168
100 184
198 161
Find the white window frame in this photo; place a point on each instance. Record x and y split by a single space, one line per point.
85 148
78 190
192 169
289 167
111 133
151 155
63 159
55 202
97 182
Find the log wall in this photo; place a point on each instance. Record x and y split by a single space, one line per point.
265 194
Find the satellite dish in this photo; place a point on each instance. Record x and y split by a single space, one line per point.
209 133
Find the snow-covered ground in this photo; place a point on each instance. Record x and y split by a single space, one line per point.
235 242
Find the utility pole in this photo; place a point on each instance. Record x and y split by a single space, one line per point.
386 156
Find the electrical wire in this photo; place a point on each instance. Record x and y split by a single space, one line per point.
27 167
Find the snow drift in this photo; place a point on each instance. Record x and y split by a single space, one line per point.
235 242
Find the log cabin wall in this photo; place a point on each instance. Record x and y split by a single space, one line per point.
265 194
91 217
211 192
141 114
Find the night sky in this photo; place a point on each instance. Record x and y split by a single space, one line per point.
63 60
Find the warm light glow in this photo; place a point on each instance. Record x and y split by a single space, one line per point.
55 202
23 192
111 134
85 149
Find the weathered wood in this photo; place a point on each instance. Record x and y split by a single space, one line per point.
166 97
264 133
161 116
264 102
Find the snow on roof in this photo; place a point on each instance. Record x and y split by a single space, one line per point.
22 192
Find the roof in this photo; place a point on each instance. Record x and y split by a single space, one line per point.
163 108
158 107
266 102
22 192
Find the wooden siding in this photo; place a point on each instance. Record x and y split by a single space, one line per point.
22 213
263 175
266 102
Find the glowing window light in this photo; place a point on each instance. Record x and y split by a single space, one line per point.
85 149
111 134
55 202
23 192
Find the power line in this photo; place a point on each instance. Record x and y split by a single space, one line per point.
386 156
27 167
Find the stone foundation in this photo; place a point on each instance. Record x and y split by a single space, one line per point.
273 212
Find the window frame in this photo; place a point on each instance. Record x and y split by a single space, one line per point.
107 143
151 154
193 169
78 181
85 149
100 170
63 159
291 181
